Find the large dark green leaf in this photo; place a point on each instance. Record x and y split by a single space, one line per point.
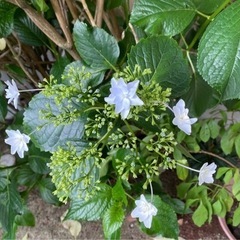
168 17
45 134
38 160
7 11
96 47
10 206
218 58
46 189
93 209
28 33
58 68
165 59
3 108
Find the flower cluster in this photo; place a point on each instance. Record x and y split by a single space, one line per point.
124 96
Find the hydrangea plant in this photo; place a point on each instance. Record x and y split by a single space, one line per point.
122 104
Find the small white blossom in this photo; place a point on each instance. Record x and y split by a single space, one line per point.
18 142
144 211
206 172
12 93
182 120
123 95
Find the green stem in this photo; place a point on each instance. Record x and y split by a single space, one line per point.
184 166
130 196
205 24
31 90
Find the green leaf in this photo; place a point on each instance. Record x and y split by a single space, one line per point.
197 101
218 56
182 172
112 219
7 11
3 108
204 133
92 209
200 215
182 189
227 142
45 134
26 218
118 193
192 143
156 53
40 5
28 33
38 160
160 16
217 208
165 214
46 188
237 145
97 48
25 176
58 68
236 217
214 128
10 206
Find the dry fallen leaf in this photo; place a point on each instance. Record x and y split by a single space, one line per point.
2 44
73 226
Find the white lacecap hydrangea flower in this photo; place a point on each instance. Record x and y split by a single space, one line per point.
12 93
181 119
144 211
18 142
206 173
123 96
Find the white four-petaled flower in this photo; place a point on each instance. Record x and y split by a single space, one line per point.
12 93
123 96
181 119
144 211
206 172
18 142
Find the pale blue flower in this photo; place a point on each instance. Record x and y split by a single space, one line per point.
182 120
18 142
144 211
123 96
12 93
206 172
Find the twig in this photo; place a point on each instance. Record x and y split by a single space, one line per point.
62 21
20 62
46 27
216 156
89 15
73 9
134 33
99 12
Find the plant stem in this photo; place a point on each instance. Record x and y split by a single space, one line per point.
205 24
89 15
215 155
184 166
